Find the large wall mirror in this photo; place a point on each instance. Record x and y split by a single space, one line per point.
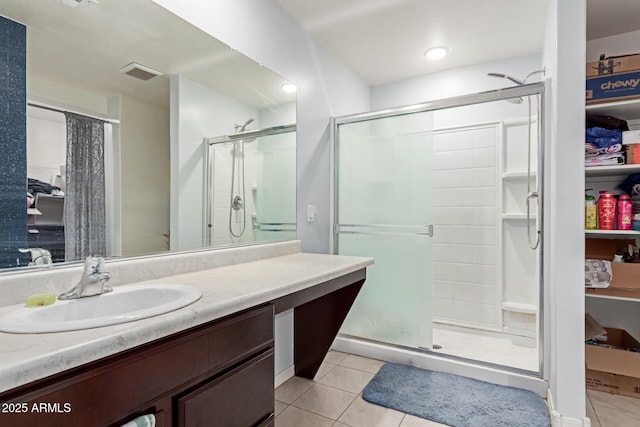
127 131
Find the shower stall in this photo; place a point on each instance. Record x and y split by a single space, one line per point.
447 197
250 186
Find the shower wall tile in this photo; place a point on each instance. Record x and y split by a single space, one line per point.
463 178
485 177
485 157
13 143
465 213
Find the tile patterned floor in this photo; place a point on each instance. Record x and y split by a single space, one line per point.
334 399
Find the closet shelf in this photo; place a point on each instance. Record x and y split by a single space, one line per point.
611 170
616 294
611 233
627 110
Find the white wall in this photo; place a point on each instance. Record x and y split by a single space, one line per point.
46 143
197 112
459 81
564 57
144 172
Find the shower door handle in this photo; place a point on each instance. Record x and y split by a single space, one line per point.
532 244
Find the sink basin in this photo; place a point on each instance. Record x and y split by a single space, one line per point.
124 304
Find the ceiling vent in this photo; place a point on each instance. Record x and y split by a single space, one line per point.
140 71
79 4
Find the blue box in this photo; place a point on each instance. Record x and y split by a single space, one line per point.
613 87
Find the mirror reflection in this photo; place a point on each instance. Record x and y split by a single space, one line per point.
131 132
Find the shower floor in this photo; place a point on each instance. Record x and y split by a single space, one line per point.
484 346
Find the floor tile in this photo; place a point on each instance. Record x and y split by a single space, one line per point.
365 414
362 363
324 400
612 410
612 417
292 389
339 424
294 417
347 379
279 407
411 421
335 357
324 369
629 405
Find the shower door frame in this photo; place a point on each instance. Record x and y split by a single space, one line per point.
533 89
209 175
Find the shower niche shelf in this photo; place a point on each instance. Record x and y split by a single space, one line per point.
517 216
517 175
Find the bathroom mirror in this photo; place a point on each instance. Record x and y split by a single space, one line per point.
159 88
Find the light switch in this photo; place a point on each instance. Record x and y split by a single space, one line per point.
311 213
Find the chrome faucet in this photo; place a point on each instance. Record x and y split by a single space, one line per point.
92 281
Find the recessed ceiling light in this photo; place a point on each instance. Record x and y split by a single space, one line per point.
437 52
289 87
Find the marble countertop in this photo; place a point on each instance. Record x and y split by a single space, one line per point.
226 290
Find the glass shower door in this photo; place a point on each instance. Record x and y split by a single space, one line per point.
383 210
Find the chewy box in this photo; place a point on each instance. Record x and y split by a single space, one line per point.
614 370
613 87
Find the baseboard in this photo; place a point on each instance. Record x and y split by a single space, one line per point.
559 420
284 376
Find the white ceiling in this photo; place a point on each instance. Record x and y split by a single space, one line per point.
625 14
84 49
384 40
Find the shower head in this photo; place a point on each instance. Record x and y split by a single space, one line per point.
241 128
506 76
516 100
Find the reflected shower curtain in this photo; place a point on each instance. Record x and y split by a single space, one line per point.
84 204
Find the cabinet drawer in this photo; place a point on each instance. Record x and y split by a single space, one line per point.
240 398
240 337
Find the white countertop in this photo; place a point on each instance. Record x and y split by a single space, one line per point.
226 290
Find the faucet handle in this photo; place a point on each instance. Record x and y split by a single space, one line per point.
93 265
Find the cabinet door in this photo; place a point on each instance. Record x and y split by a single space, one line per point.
241 397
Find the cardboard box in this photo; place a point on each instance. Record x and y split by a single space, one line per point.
614 370
613 65
625 280
630 137
632 154
613 87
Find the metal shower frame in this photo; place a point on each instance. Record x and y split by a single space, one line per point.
533 89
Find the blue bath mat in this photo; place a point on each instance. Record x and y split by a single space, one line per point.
454 400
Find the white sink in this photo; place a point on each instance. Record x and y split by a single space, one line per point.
124 304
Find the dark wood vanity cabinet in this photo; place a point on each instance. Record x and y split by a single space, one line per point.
217 374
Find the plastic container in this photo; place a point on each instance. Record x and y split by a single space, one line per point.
625 213
607 211
590 213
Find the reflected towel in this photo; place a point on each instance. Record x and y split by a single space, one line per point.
148 420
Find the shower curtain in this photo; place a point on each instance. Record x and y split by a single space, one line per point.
84 205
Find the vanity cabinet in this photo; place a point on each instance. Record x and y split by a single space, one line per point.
216 374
